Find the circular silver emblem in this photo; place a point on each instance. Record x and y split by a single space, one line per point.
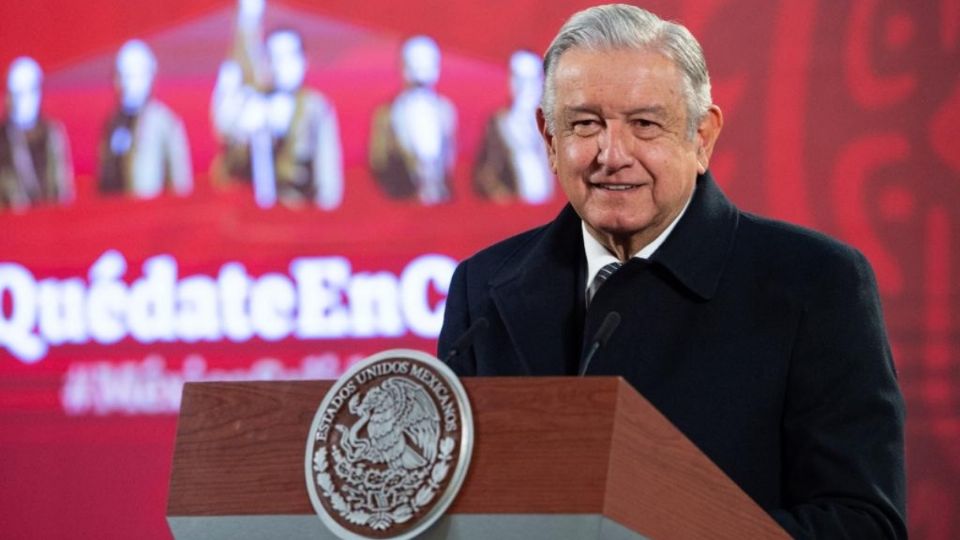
389 446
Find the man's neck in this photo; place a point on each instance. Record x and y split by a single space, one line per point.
626 246
642 244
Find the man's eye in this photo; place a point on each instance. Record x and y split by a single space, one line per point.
646 129
585 127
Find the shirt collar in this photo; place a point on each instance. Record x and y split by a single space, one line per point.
598 256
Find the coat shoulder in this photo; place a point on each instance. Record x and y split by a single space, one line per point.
797 250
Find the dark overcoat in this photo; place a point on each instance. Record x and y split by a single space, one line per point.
763 342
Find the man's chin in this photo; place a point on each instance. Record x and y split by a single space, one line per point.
620 226
617 231
623 231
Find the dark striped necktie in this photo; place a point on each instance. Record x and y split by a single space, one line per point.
601 277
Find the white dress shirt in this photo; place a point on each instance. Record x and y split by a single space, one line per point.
598 256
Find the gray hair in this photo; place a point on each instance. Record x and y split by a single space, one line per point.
620 26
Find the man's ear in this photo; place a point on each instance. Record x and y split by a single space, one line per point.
548 139
706 138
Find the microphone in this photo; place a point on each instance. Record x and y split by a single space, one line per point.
466 339
607 327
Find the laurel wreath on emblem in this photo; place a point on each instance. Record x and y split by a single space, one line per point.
393 471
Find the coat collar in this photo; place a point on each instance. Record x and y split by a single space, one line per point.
538 291
697 250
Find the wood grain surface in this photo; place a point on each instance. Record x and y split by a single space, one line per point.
545 445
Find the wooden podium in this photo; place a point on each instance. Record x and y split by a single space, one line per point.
554 457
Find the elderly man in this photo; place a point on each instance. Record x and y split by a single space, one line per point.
413 137
144 148
287 141
512 161
35 164
763 342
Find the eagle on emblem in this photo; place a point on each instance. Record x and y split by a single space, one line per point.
401 425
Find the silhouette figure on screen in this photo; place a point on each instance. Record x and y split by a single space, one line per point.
248 49
35 165
144 147
243 76
412 144
512 162
287 140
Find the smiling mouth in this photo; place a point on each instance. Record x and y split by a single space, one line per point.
616 187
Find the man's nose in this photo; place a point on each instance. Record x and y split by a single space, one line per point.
614 147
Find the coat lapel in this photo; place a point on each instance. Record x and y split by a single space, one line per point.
697 250
539 291
539 297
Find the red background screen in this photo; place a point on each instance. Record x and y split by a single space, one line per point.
841 116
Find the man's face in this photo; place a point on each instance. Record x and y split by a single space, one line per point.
421 62
287 61
135 72
23 85
526 81
620 147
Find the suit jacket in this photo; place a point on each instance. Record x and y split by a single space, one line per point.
494 175
308 158
35 165
395 167
761 341
157 154
507 163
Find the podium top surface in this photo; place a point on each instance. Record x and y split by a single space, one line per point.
543 445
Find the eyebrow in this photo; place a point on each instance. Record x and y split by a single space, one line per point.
657 110
580 109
